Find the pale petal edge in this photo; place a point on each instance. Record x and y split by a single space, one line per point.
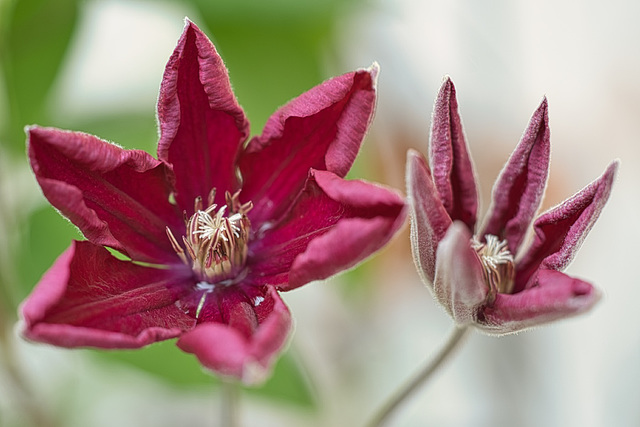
450 161
429 219
351 240
555 297
459 283
49 292
518 191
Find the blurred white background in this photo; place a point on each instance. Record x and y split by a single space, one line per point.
503 56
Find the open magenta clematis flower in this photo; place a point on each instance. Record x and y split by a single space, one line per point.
486 276
214 227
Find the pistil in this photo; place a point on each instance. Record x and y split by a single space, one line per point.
497 263
215 244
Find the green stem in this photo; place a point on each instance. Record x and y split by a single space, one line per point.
229 403
420 378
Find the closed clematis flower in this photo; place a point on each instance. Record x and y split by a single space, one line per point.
486 276
215 226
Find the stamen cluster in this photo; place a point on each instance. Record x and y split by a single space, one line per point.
216 242
497 263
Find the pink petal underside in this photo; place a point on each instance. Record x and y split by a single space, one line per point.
202 127
334 225
518 191
449 159
459 283
118 198
554 297
429 219
234 350
90 298
321 129
559 232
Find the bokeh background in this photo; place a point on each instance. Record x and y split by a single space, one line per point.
96 66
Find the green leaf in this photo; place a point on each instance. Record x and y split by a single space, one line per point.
274 50
289 383
46 235
129 129
165 361
32 52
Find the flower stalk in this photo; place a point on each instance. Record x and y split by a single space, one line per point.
421 377
229 403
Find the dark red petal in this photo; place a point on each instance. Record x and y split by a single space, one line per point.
518 191
559 232
90 298
245 344
554 296
429 219
202 127
321 129
118 198
334 225
459 283
451 165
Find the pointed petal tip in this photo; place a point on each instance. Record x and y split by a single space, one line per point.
413 154
607 178
612 170
542 110
415 161
188 23
30 128
544 103
446 90
374 71
447 82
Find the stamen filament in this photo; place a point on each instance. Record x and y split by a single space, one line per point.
215 245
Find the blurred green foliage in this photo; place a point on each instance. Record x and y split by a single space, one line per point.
274 50
36 34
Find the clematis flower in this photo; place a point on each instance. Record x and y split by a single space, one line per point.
214 227
486 276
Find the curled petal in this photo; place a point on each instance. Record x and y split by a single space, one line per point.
450 162
429 219
459 283
334 225
90 298
246 345
518 191
90 181
554 296
202 127
559 232
321 129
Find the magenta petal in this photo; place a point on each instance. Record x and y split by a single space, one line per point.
518 191
334 225
229 351
459 283
554 296
118 198
321 129
202 127
429 219
90 298
559 232
451 165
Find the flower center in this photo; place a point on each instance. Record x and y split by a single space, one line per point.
216 242
497 263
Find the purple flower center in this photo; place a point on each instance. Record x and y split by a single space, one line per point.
216 240
497 264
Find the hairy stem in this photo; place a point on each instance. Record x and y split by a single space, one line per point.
230 397
420 377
